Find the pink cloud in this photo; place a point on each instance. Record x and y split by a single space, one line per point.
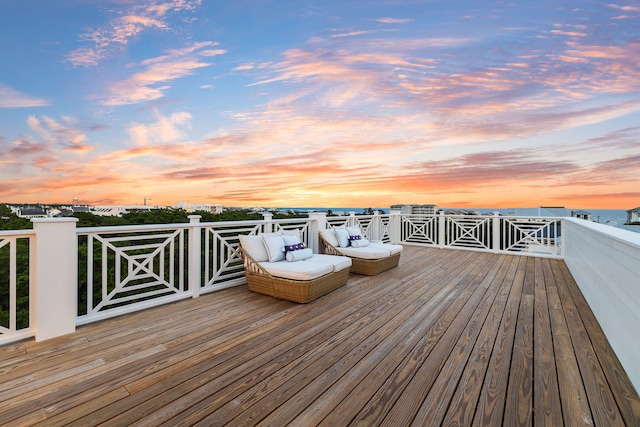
11 98
121 29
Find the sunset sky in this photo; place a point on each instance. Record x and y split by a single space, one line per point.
351 103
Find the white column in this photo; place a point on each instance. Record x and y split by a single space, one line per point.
195 251
395 224
319 223
441 230
496 232
268 224
56 277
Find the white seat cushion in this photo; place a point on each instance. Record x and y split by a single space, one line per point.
366 252
338 262
300 270
394 249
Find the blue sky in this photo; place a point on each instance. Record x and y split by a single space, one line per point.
285 103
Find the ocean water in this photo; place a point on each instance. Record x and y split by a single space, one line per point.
611 217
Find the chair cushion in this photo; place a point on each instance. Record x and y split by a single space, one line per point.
301 270
299 255
254 246
274 244
354 231
330 237
343 236
394 249
367 252
296 232
338 262
360 242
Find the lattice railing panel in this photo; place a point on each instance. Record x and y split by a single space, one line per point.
531 235
373 227
120 269
468 232
222 263
419 229
15 287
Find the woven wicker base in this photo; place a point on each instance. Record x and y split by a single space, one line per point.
302 291
371 267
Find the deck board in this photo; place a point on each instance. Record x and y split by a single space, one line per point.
447 338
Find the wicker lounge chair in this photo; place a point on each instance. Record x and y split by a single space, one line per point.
300 281
370 260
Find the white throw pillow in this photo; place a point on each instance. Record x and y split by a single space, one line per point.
354 231
291 239
254 247
359 243
300 255
295 232
343 236
274 244
330 237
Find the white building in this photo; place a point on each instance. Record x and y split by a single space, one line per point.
203 207
633 216
29 213
121 209
427 209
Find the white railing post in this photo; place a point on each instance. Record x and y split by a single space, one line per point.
374 227
55 299
441 230
268 224
563 242
319 222
395 223
351 222
194 256
496 232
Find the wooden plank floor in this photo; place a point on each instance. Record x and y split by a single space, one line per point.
447 338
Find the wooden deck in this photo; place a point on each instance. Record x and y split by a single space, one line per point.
447 338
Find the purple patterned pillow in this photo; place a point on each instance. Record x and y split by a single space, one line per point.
291 248
355 237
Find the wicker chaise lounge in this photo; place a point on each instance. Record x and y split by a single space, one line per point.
370 260
300 281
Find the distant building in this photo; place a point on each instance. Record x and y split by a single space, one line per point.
122 209
416 209
582 215
633 216
29 213
203 207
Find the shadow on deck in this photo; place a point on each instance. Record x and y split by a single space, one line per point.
448 337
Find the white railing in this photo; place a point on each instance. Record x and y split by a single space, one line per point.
132 268
15 285
108 271
521 235
121 269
